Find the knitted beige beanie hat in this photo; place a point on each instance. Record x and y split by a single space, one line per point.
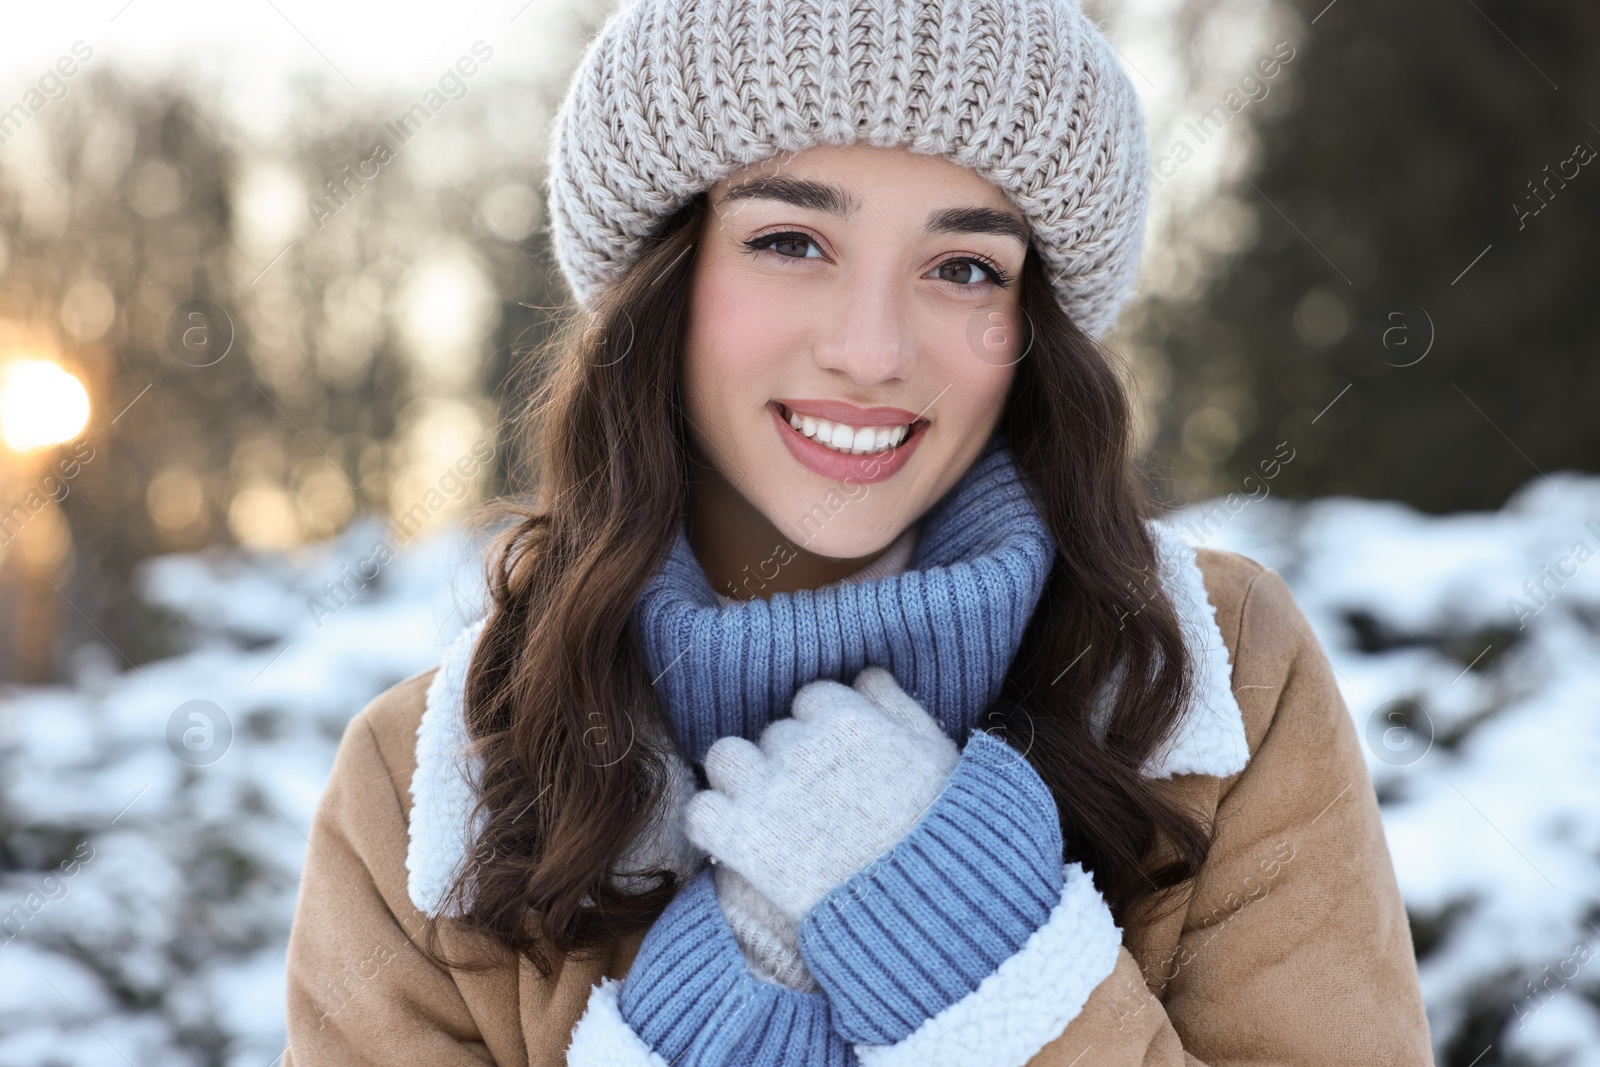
672 96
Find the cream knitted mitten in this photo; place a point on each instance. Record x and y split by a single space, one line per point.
825 793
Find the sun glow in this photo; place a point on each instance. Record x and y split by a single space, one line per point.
40 405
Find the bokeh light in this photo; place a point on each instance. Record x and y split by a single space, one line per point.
40 405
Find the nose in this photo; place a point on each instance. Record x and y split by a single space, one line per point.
866 337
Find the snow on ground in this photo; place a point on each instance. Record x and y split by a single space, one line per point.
153 820
145 899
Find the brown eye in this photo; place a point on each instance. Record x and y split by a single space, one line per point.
972 273
962 272
790 245
785 244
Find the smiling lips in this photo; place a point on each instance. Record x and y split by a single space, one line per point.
844 442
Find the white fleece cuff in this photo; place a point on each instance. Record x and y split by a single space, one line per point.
1029 999
603 1037
1023 1006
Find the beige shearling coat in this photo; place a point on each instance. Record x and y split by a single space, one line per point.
1292 948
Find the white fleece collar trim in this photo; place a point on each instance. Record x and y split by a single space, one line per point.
442 792
1210 739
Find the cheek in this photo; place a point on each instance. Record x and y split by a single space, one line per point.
974 360
738 338
985 396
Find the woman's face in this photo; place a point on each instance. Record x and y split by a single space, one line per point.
870 293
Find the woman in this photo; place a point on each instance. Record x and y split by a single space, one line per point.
839 701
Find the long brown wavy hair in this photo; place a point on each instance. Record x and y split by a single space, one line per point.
557 689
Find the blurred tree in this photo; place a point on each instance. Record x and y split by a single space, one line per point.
1392 206
277 333
115 214
213 421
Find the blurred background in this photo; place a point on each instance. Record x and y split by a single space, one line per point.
269 275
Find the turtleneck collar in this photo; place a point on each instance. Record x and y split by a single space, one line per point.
947 626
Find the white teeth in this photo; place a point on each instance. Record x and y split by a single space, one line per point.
855 440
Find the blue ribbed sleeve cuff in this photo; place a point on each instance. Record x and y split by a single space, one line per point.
924 924
691 999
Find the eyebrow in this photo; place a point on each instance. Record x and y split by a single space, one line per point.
821 196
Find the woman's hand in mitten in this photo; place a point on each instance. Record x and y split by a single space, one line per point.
963 892
825 793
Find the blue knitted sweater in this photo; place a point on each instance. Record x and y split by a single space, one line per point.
947 627
979 872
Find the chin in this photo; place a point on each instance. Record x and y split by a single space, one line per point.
854 549
836 522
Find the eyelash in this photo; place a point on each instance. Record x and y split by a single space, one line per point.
998 275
